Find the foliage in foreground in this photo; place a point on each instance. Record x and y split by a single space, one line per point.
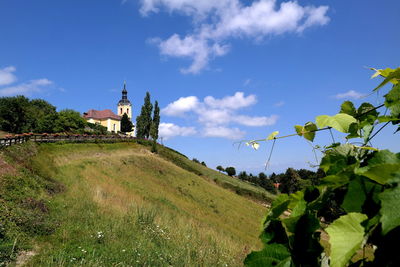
352 217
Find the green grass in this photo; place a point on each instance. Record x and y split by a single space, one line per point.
125 206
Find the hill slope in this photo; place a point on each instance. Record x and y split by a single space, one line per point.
120 204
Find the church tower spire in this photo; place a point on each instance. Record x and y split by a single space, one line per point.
124 105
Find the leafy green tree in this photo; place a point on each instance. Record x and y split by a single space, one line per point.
126 124
291 182
156 122
230 171
69 121
220 168
203 163
195 160
144 120
14 116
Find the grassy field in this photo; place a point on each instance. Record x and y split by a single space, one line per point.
121 205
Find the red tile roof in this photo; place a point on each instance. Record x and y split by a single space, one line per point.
101 114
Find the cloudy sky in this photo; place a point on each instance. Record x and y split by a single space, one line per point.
222 71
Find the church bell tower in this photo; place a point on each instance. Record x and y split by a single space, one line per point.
124 105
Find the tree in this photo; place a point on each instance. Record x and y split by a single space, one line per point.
230 171
220 168
156 122
195 160
14 114
69 121
292 181
144 121
243 176
203 163
126 124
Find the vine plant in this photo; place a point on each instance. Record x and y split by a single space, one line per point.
353 217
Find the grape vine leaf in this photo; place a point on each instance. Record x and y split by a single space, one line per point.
390 212
381 167
367 132
392 101
271 255
348 108
340 122
355 196
307 131
345 237
390 75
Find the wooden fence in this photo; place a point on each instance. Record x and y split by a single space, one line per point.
52 138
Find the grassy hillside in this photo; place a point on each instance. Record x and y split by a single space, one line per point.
120 204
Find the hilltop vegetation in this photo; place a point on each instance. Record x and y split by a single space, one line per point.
109 204
20 115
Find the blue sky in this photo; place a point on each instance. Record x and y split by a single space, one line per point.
221 70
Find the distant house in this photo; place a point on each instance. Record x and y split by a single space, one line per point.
109 119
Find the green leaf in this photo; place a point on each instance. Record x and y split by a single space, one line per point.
272 135
279 205
307 131
338 159
391 75
390 211
271 255
381 167
367 112
340 122
310 129
367 132
348 108
299 129
353 131
355 196
335 181
392 101
345 236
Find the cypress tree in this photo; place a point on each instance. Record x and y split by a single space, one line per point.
144 121
155 122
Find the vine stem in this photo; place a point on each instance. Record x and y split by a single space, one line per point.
270 154
313 131
369 139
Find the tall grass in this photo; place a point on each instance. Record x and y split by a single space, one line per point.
125 206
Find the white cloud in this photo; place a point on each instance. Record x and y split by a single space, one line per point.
255 121
217 21
237 101
279 104
28 88
169 130
350 94
180 106
223 132
216 114
7 76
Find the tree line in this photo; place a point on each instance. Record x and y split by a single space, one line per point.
288 182
19 114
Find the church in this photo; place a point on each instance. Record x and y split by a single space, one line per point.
109 119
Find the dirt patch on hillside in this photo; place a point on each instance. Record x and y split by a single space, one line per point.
5 168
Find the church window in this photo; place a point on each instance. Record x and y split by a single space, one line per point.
127 111
120 111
